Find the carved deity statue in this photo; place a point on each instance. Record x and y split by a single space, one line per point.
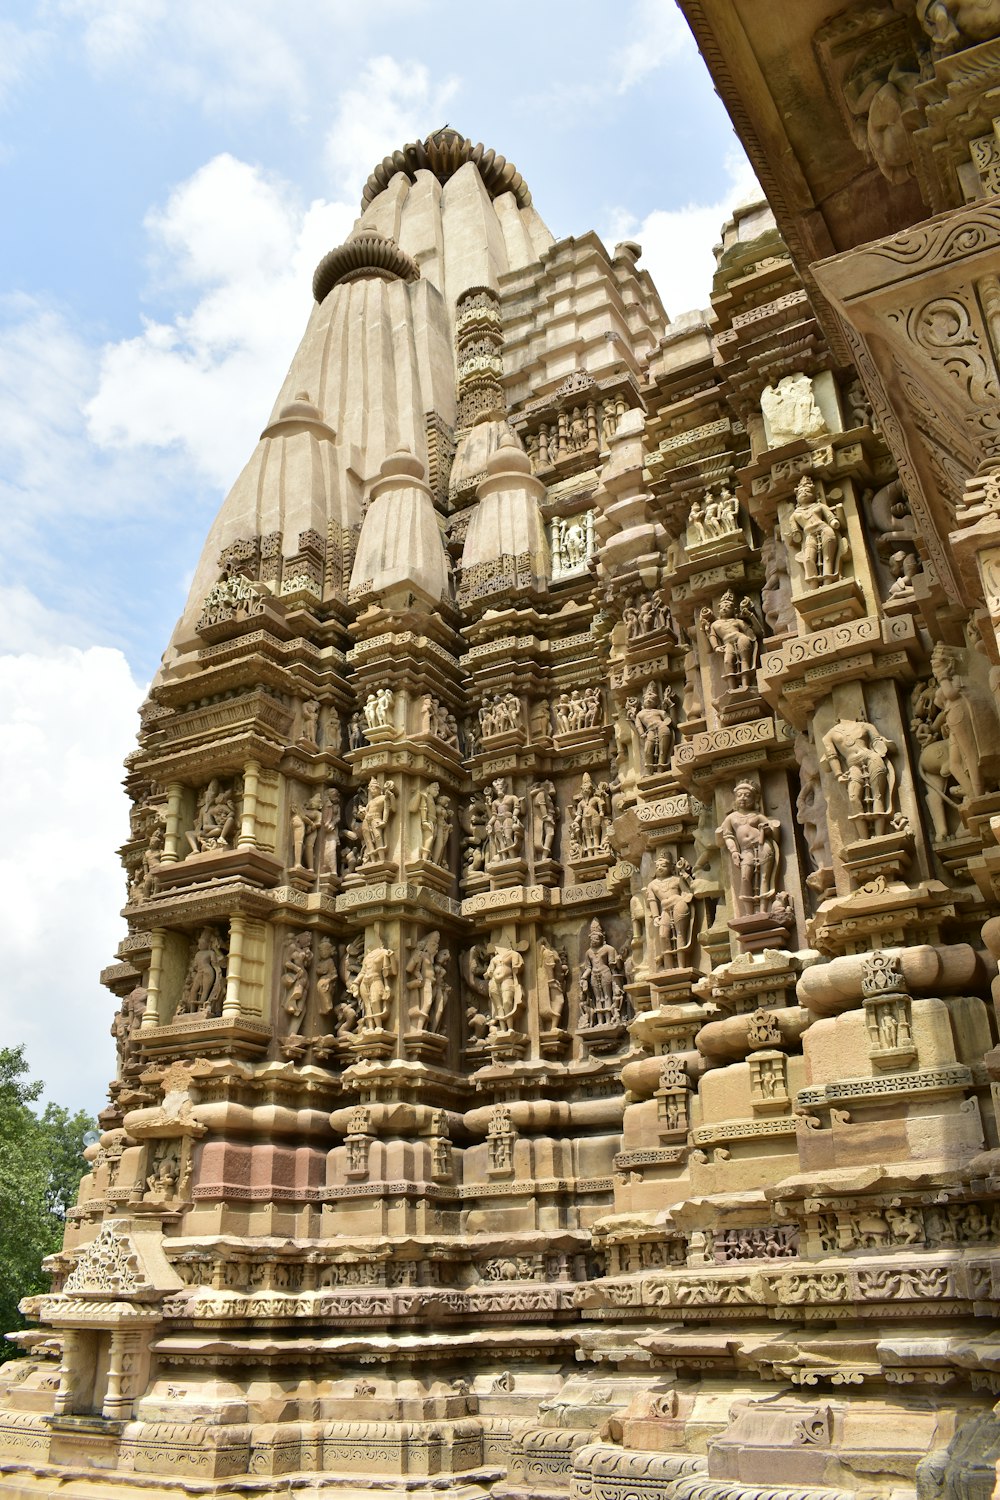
790 410
553 973
330 828
670 902
503 985
295 980
435 817
858 754
751 839
206 977
654 726
373 987
968 721
326 975
426 980
544 812
505 825
215 819
591 822
735 635
375 816
310 721
816 530
378 709
306 821
474 816
601 981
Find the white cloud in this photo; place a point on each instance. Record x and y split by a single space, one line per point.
238 246
20 49
677 243
656 33
69 719
391 103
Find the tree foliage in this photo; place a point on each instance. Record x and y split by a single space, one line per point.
41 1163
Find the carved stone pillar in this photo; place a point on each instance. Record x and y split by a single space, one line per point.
251 782
157 945
172 829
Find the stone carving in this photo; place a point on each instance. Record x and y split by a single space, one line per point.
858 754
579 709
327 970
373 986
503 984
670 903
374 819
330 830
590 826
734 633
647 614
295 981
215 819
427 982
790 410
544 813
553 976
501 715
810 809
817 530
205 980
714 517
475 820
310 722
953 24
306 821
572 541
776 595
439 720
505 825
751 839
436 821
602 982
654 726
378 709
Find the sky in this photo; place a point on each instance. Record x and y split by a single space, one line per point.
170 173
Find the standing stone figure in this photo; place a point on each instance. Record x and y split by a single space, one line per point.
752 841
544 812
295 980
306 822
670 901
505 827
735 636
858 754
600 981
591 818
373 987
553 971
426 979
654 727
375 817
206 977
503 984
815 529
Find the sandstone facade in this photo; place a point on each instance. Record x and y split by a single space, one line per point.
556 1045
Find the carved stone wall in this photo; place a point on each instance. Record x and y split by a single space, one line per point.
556 1051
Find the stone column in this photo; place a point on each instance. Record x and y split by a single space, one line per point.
171 834
248 824
157 945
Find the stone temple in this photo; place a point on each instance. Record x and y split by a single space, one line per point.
556 1053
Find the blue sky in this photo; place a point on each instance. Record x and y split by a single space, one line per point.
171 172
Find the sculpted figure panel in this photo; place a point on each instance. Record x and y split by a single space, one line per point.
205 980
215 819
734 633
816 529
505 826
751 839
670 903
859 755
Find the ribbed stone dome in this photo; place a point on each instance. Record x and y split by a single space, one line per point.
443 153
365 254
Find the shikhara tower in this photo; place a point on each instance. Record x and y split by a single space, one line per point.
555 1032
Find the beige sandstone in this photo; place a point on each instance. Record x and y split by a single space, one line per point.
557 1045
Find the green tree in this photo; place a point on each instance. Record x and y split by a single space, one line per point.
41 1163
